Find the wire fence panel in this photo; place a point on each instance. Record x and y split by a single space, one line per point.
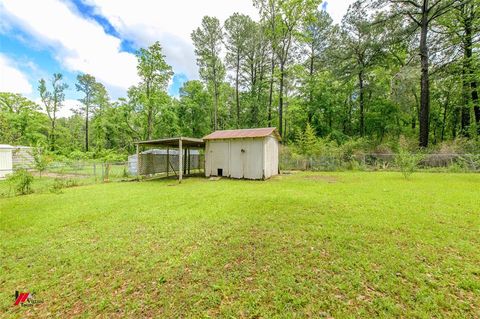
449 162
98 171
150 164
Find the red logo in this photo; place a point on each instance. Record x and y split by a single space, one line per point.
25 299
21 298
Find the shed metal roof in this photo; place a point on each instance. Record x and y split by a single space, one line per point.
243 133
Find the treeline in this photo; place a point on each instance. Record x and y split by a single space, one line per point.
391 68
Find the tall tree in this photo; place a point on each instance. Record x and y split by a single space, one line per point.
52 102
238 28
193 109
463 26
21 121
284 18
151 92
94 95
422 13
315 37
207 40
254 69
362 47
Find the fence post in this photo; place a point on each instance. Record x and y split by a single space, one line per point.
95 171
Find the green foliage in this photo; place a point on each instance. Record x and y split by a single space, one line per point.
194 109
21 123
41 160
20 182
291 67
308 142
406 161
52 101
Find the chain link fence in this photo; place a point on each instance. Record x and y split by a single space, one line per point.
58 175
92 171
435 162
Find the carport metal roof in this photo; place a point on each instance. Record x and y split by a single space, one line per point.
174 142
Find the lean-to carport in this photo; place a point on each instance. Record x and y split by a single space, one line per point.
182 144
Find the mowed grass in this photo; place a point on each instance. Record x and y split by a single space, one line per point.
303 245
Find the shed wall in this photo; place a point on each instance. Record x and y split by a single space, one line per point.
6 164
217 156
271 156
238 158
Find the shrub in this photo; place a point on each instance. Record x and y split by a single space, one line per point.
21 182
40 159
407 162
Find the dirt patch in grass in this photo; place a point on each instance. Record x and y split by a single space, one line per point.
328 179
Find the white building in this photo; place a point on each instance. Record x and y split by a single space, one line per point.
13 158
248 153
6 160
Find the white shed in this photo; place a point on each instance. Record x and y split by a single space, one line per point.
248 153
6 160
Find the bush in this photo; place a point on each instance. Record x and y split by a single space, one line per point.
407 162
21 182
41 160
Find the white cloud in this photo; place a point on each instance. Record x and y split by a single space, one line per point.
337 8
81 45
12 79
170 22
66 110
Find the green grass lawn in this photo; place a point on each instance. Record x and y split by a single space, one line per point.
303 245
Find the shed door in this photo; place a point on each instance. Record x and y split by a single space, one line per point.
237 158
253 158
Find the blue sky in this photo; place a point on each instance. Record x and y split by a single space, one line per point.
100 37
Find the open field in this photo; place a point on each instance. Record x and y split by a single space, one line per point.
302 245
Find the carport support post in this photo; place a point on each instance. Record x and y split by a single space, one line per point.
168 158
185 161
138 164
180 160
189 159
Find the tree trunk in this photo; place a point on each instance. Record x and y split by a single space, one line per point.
149 113
86 128
455 118
424 80
280 102
362 104
444 122
270 98
465 112
416 111
476 105
215 99
310 109
466 72
237 99
52 136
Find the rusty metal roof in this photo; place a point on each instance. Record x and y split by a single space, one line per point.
244 133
